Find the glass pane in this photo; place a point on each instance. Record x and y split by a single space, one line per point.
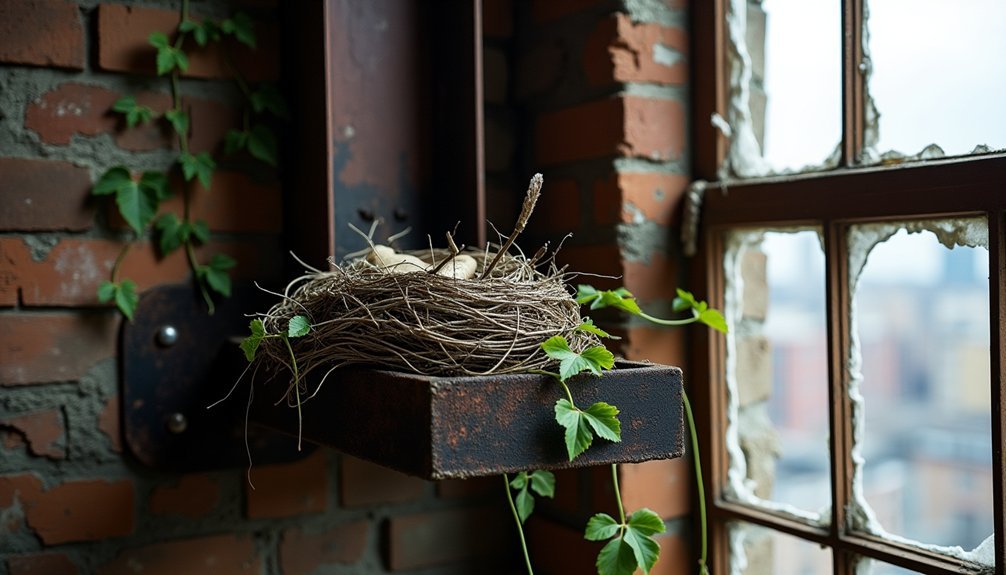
778 374
938 75
921 377
873 567
786 108
755 550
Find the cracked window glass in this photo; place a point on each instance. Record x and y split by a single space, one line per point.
920 385
777 372
759 551
936 76
785 86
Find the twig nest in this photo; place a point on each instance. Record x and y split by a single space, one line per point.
416 312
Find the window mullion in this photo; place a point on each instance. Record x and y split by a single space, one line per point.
852 81
997 317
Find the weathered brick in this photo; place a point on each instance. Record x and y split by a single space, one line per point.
71 108
109 424
558 210
213 555
754 369
41 564
194 495
362 483
543 12
288 489
304 552
468 488
635 197
497 18
660 345
82 510
45 347
42 33
592 130
656 279
662 486
557 549
619 50
754 271
43 431
15 257
122 45
44 195
654 128
416 541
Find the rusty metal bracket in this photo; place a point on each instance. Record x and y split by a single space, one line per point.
172 371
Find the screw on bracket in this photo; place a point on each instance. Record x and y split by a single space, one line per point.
177 423
167 336
366 214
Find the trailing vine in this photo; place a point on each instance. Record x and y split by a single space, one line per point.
139 196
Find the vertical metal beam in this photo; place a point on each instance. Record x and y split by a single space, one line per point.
709 92
853 84
997 333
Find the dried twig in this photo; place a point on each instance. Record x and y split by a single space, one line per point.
533 191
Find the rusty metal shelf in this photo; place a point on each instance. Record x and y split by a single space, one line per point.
458 427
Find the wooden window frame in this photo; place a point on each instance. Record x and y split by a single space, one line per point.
831 200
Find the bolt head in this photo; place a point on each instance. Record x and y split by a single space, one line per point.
177 423
167 336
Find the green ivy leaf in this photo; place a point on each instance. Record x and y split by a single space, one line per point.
519 481
578 432
593 359
638 536
171 233
201 231
603 419
179 121
616 558
600 527
620 298
199 166
262 144
714 319
158 40
250 344
135 114
235 141
241 27
646 522
156 183
106 291
524 503
137 205
685 300
268 99
543 483
299 326
111 181
589 327
126 298
215 274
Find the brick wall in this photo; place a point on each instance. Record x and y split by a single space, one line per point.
72 499
590 92
602 89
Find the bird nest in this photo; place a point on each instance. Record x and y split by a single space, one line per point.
431 312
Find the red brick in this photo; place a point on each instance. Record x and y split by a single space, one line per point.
109 424
41 564
145 137
652 280
619 50
556 549
660 345
209 122
44 195
213 555
234 203
656 197
592 130
42 33
469 488
416 541
46 347
84 510
123 47
43 431
497 18
549 10
72 108
662 486
558 210
193 496
362 483
289 489
654 128
15 257
600 259
675 556
303 553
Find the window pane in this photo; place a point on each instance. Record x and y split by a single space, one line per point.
921 381
938 75
873 567
777 369
755 550
786 90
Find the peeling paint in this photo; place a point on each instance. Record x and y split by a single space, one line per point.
665 55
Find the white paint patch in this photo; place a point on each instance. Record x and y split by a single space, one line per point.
665 55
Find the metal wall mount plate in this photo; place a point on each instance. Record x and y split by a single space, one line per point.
172 371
